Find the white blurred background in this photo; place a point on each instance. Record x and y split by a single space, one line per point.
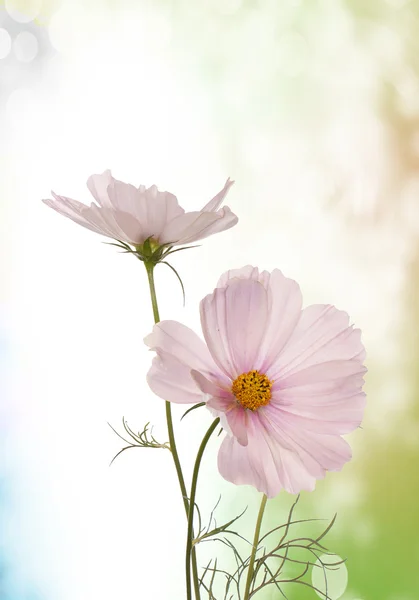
289 99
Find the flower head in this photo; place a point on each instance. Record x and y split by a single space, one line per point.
136 216
286 382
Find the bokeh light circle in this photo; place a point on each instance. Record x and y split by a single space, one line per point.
61 30
5 43
23 11
25 46
336 576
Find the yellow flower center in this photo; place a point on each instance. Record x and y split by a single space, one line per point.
252 390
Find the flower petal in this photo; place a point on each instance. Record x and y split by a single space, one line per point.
183 364
158 209
98 187
247 272
216 202
284 301
263 463
125 197
179 341
332 418
149 208
131 228
233 418
333 370
197 225
326 398
233 322
321 335
329 452
77 212
284 305
119 226
171 380
102 219
325 383
316 450
204 384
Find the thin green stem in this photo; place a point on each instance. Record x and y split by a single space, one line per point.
254 548
175 455
189 548
150 274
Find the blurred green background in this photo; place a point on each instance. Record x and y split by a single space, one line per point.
336 84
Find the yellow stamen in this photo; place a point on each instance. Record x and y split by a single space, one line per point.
252 389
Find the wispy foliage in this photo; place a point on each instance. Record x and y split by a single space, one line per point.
142 439
277 551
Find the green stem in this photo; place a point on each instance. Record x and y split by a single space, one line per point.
189 547
254 548
150 274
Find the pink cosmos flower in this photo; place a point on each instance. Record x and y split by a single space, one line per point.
133 215
285 382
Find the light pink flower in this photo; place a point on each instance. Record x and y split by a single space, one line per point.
133 215
285 382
